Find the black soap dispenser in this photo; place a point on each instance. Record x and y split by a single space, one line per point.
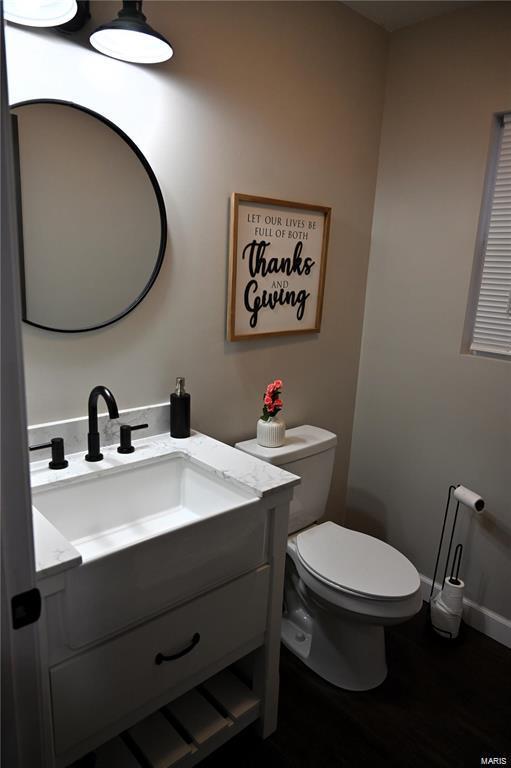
180 410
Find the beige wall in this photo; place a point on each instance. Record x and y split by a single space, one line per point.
427 415
277 99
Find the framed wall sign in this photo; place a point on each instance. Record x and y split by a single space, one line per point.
277 265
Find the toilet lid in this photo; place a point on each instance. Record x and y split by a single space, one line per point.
357 562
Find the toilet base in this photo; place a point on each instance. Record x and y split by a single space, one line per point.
346 653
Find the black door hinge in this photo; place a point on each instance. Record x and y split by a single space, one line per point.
26 608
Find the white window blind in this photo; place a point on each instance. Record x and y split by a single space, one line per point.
492 326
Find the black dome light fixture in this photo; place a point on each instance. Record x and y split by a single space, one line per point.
130 38
40 13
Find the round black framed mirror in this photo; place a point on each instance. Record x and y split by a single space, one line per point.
92 221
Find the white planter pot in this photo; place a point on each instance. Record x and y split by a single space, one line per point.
271 433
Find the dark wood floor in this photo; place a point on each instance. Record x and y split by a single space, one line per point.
444 704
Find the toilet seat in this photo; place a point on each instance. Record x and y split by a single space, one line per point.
353 562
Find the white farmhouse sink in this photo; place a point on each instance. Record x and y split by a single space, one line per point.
106 512
151 534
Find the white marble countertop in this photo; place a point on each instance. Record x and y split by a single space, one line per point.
54 553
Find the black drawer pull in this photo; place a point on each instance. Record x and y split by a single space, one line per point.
160 658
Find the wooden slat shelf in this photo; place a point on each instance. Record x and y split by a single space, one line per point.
186 730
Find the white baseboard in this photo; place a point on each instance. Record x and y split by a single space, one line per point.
477 616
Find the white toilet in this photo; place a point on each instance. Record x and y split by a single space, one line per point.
341 586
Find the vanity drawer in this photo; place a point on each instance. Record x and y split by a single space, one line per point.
95 689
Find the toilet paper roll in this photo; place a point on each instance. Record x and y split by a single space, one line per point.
451 596
469 498
445 623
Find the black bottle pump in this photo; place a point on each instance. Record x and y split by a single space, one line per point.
180 410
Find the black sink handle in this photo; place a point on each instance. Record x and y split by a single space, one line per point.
126 430
160 658
58 460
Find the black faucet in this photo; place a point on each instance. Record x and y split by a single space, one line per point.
94 453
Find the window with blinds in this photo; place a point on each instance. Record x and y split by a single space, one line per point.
492 324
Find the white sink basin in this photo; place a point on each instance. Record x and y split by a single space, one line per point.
133 536
118 508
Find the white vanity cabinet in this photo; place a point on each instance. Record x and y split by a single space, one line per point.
106 681
96 689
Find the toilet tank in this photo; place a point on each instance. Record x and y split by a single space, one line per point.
309 453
